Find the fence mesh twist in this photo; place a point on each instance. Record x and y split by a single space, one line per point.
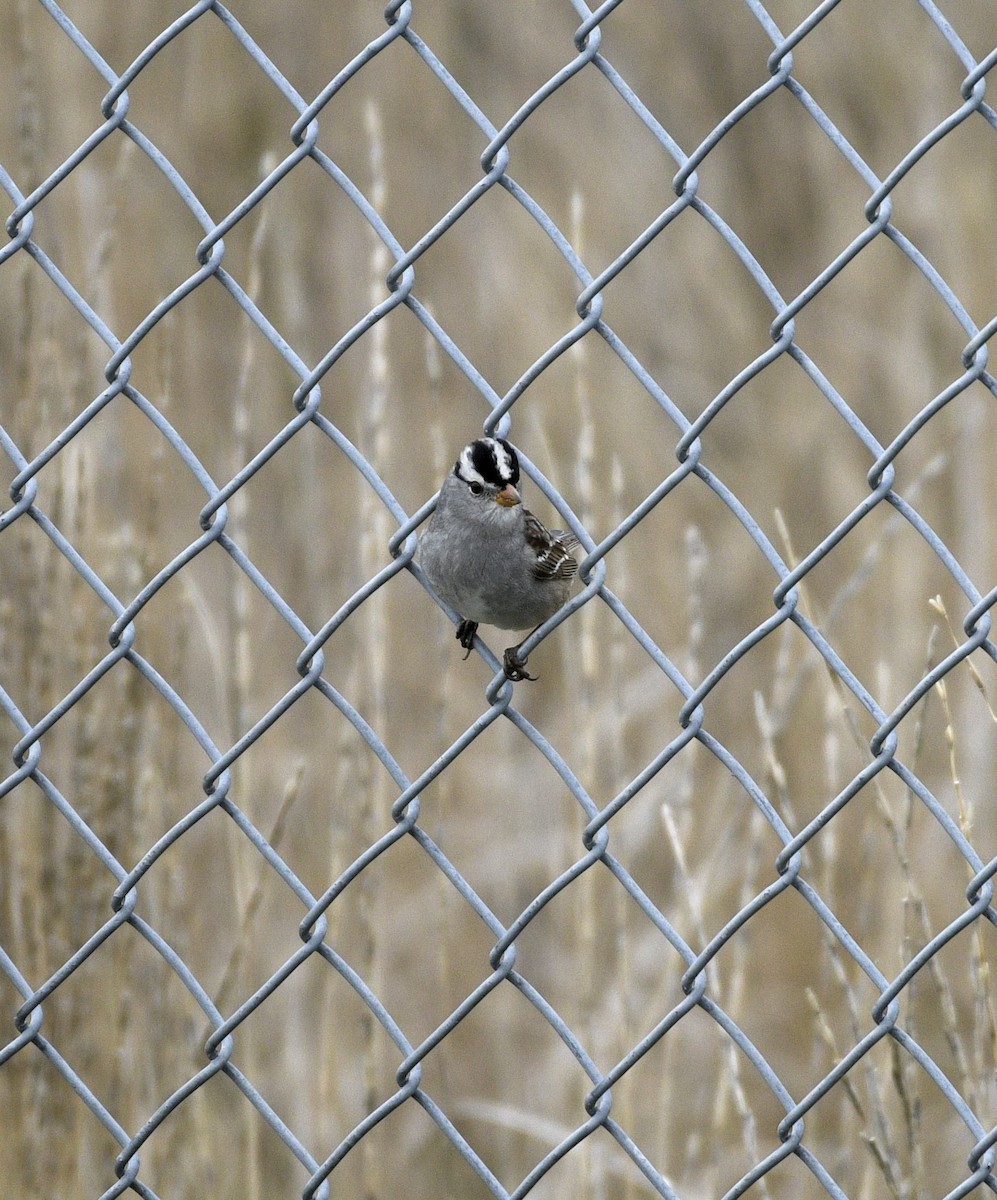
297 903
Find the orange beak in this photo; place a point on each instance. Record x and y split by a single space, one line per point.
508 497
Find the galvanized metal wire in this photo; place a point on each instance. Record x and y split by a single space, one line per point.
308 410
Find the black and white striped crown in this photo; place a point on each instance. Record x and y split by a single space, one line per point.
491 461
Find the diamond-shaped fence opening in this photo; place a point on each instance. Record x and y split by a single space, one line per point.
297 903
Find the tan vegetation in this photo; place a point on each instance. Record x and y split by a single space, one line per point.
692 838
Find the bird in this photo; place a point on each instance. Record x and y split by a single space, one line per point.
488 556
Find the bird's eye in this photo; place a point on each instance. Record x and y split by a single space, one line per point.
476 488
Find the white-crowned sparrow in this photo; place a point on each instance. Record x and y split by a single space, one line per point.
489 557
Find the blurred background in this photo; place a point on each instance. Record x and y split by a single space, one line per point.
692 838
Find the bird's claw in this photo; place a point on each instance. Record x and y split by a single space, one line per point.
513 664
515 667
465 635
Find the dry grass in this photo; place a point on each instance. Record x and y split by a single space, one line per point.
691 838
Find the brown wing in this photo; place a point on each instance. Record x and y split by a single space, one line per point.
553 550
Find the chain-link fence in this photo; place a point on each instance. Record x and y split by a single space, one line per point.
297 903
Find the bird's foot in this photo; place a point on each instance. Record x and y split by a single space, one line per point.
515 666
465 635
